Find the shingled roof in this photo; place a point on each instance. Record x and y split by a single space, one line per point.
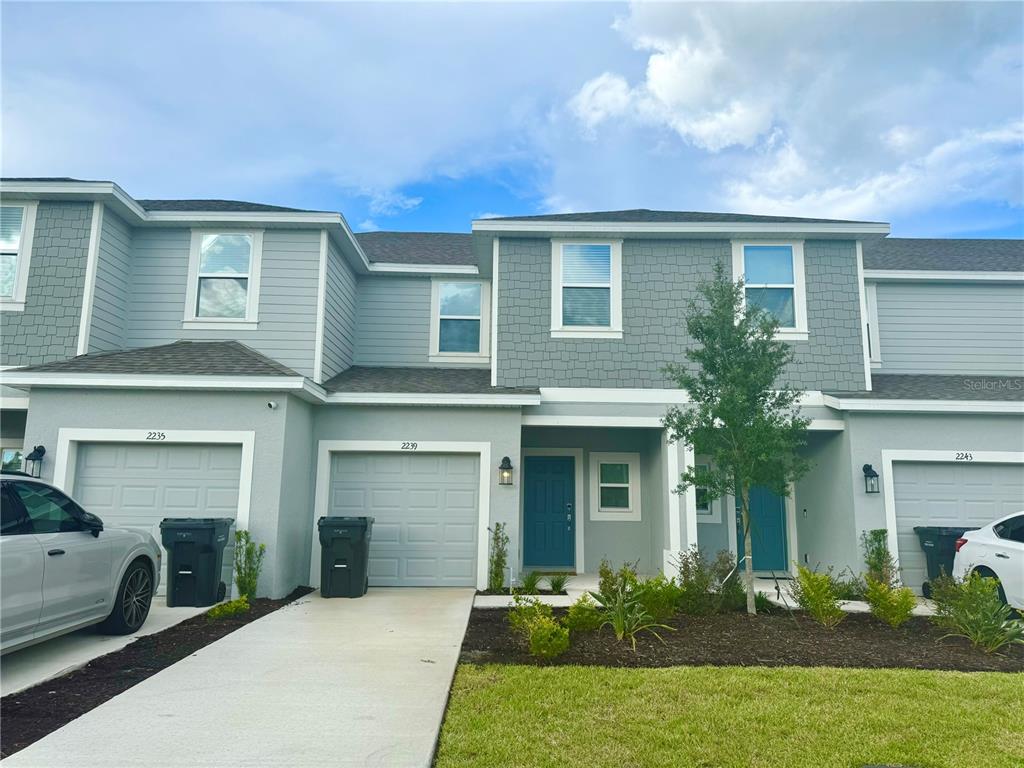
892 386
426 381
644 216
182 358
218 206
447 248
944 254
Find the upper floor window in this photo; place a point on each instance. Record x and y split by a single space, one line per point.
773 279
17 223
586 289
224 274
459 320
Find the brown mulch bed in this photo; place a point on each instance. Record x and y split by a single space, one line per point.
506 592
35 712
735 639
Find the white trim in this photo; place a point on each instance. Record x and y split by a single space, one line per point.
568 420
708 227
945 457
799 332
321 305
397 398
130 381
211 324
28 227
874 336
14 403
924 406
252 286
884 275
494 311
827 425
436 355
467 270
862 304
91 268
598 513
68 440
614 329
596 395
580 515
323 486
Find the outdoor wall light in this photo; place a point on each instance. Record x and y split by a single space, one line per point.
870 479
34 461
505 471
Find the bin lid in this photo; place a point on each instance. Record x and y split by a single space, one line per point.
196 522
349 521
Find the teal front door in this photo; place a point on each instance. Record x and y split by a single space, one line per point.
767 530
549 512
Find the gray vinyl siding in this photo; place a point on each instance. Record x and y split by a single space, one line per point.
659 278
290 273
339 315
394 321
951 328
113 273
47 329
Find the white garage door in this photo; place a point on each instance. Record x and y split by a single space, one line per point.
425 510
138 485
964 495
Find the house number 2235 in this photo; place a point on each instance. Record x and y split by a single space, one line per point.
410 446
156 436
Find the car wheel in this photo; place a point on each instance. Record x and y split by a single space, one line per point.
999 585
134 597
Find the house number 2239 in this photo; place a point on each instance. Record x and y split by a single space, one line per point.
410 446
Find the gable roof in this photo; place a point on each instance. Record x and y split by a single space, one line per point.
181 358
216 205
645 215
920 253
448 248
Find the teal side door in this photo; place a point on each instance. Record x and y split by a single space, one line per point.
549 512
767 530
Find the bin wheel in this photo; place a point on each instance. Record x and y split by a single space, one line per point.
222 590
131 606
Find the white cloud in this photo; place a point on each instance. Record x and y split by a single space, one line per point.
388 203
368 225
605 96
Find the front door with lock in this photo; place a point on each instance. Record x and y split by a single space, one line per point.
549 512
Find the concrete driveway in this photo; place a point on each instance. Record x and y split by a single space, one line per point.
36 663
320 682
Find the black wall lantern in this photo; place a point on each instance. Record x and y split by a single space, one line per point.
505 471
870 479
34 461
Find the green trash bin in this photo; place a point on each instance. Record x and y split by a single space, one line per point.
195 557
939 545
344 555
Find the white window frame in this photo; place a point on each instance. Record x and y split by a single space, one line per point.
16 303
874 340
436 355
799 331
562 331
249 322
631 515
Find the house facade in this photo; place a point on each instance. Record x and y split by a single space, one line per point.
214 358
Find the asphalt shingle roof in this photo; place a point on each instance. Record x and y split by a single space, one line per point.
182 358
447 248
428 381
216 205
940 387
944 254
644 215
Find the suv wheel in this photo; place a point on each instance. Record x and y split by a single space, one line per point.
131 607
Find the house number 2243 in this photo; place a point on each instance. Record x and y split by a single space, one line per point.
964 456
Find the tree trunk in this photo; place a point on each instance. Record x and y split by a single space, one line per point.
748 565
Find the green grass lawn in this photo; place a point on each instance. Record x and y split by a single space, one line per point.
731 716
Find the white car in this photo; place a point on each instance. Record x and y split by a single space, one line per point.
997 550
62 570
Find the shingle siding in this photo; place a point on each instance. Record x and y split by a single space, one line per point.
659 278
48 328
339 315
113 273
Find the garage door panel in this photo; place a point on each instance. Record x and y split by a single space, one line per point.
425 510
953 495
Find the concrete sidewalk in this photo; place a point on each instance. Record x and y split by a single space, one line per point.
320 682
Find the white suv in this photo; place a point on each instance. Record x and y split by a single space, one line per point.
997 551
61 570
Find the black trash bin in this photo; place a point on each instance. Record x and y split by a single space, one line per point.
195 557
939 545
344 555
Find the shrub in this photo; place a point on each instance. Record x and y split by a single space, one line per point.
708 587
879 560
525 612
230 608
610 581
815 593
627 618
530 584
972 608
498 558
557 582
658 596
584 615
762 604
548 638
848 587
248 563
893 605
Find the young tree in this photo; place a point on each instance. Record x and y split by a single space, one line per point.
740 414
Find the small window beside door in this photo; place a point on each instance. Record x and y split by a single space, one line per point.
615 487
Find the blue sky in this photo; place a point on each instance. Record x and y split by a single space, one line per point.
425 116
